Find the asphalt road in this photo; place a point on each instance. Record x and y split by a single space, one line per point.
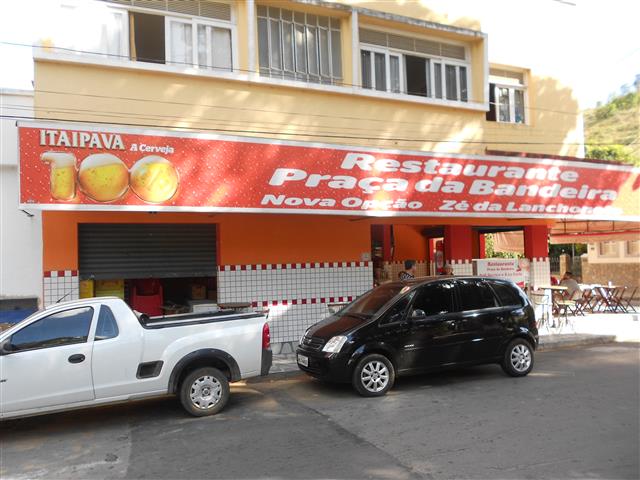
575 416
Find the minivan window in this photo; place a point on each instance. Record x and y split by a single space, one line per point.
434 298
62 328
506 294
398 311
371 302
475 294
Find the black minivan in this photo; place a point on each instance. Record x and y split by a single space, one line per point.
421 325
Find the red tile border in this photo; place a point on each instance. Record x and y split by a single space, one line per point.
293 266
59 273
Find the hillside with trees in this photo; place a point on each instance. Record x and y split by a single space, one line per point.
617 124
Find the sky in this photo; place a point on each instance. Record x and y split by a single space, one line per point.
593 46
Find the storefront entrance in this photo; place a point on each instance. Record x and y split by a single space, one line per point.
157 268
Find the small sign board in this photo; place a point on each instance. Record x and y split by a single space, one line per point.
514 269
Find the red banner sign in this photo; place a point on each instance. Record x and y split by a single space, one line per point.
98 168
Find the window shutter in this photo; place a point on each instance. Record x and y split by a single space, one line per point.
373 37
202 8
188 7
217 10
409 44
403 43
428 47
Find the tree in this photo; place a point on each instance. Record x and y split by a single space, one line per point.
491 253
609 152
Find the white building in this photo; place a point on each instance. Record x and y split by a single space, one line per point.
20 230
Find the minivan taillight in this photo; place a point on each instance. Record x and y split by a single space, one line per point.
266 337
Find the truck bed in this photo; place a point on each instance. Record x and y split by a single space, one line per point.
184 319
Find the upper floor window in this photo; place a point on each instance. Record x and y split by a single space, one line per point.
413 66
507 92
633 248
299 46
608 249
196 33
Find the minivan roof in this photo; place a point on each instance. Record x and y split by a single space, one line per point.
424 280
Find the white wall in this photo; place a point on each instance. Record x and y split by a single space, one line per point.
20 235
621 255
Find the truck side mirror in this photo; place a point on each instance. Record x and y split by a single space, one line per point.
418 314
6 347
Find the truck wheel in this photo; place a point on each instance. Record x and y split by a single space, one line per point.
204 391
518 358
373 376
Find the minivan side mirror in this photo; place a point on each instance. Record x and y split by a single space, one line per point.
418 314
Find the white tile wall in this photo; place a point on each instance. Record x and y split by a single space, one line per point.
296 294
393 269
58 284
462 267
540 273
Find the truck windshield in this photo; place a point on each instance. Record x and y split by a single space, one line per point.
371 302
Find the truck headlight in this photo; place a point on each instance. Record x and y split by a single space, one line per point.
335 344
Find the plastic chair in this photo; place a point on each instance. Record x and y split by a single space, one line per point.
627 301
147 297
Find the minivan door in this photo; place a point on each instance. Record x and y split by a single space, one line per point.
48 362
481 320
394 331
434 325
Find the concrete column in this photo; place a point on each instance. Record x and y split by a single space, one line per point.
355 49
536 243
565 263
458 248
482 246
536 249
251 37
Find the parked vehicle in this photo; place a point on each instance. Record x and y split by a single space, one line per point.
98 351
421 325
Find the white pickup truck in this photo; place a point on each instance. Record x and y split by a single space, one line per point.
98 351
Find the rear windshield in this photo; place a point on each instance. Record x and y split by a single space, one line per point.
371 302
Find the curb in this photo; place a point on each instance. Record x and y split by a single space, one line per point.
569 341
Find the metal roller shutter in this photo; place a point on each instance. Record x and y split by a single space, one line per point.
114 251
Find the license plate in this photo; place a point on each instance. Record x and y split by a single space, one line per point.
302 360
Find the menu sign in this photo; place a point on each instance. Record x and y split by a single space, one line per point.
515 269
88 167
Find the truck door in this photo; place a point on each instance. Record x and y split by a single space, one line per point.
48 362
117 353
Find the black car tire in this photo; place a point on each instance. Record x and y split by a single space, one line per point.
380 374
204 391
518 358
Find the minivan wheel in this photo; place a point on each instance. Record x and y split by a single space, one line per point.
204 391
518 358
373 376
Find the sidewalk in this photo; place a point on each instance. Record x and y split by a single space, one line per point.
623 327
595 329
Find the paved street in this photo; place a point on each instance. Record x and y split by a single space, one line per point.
575 416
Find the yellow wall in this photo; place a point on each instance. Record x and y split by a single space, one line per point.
133 96
94 93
